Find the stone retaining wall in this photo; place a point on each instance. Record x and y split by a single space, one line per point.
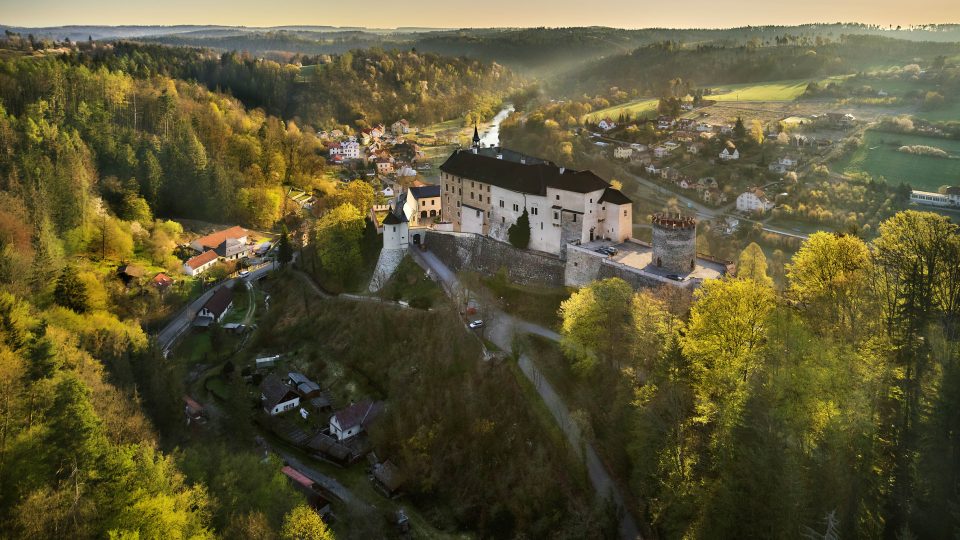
464 251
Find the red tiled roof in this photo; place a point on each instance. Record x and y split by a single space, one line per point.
297 476
202 259
162 280
213 240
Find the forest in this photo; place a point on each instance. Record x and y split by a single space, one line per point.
823 408
813 396
355 88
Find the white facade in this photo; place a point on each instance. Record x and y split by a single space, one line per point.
347 149
606 124
727 154
285 406
200 268
422 210
929 198
750 201
395 235
622 153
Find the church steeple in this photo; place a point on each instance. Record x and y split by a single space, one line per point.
476 137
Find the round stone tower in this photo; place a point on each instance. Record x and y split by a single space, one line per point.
674 242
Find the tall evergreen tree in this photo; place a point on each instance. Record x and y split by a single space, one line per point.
519 232
70 292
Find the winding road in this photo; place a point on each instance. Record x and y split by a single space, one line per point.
167 337
501 331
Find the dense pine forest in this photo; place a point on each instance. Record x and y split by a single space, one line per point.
355 88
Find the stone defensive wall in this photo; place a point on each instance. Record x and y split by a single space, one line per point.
474 252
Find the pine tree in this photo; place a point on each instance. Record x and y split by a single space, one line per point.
738 129
284 250
70 292
519 232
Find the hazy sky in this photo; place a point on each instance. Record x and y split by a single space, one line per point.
481 13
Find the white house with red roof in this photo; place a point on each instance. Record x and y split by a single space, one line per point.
606 124
200 263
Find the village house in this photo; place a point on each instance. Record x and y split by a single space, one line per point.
162 282
199 264
347 150
276 396
486 190
422 203
754 201
384 166
694 148
215 240
606 124
703 127
651 169
400 127
310 392
218 305
638 147
665 122
354 419
193 411
621 152
130 273
387 478
729 152
661 152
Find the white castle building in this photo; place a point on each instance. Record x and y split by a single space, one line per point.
485 191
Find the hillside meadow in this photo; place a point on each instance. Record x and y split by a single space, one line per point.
879 157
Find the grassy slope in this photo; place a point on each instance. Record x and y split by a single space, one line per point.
879 157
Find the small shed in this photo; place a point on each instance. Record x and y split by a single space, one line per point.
387 479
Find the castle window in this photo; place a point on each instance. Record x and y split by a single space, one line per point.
501 203
574 218
533 210
458 204
541 225
558 196
471 194
516 208
503 220
624 213
591 201
556 215
471 184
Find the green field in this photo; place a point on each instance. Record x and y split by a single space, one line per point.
947 113
879 157
636 109
767 91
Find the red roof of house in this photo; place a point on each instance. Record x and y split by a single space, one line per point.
202 259
297 476
213 240
196 407
162 280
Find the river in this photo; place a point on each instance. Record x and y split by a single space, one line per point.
491 136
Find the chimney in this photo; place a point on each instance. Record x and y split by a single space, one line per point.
474 149
523 161
499 156
562 169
